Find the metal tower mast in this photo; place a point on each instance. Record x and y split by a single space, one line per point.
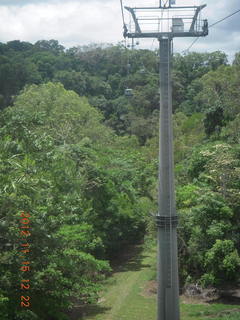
164 23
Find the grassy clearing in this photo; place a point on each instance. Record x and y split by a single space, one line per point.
124 297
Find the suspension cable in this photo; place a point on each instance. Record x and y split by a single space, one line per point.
230 15
213 24
195 40
121 3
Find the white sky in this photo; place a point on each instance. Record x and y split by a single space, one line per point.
78 22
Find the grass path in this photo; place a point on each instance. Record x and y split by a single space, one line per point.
117 295
122 294
124 299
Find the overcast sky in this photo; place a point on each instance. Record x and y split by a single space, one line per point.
78 22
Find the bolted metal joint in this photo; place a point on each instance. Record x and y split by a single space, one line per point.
166 221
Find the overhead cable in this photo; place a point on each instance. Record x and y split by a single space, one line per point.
213 24
195 40
230 15
121 3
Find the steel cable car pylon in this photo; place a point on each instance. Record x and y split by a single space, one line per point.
166 24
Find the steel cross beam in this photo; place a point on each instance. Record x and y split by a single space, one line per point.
134 19
159 35
191 33
167 8
195 17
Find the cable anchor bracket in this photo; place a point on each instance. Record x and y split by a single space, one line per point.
166 221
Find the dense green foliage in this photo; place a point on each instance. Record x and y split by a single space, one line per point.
85 189
81 158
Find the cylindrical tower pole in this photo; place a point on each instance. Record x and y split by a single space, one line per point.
167 265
